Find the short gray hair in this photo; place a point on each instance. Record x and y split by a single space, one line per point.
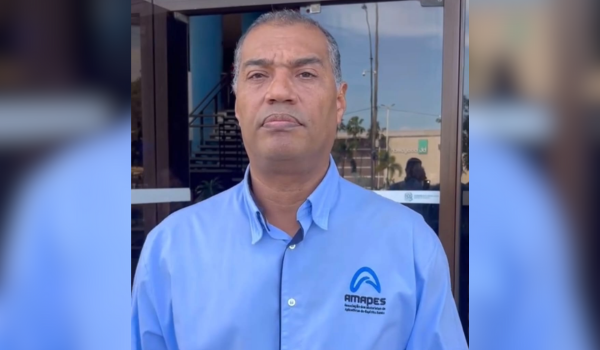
290 17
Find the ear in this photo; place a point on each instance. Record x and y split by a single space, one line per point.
341 102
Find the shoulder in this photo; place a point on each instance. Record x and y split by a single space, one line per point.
192 220
368 201
403 224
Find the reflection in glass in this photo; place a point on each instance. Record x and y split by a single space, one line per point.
463 278
138 232
392 60
136 110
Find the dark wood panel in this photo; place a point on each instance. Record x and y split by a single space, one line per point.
170 69
161 102
148 109
450 162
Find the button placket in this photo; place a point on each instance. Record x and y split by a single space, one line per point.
285 301
289 294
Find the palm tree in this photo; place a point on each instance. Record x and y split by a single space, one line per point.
387 163
340 148
354 129
340 153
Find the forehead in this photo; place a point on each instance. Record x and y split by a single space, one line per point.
276 41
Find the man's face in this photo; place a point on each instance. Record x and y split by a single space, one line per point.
287 101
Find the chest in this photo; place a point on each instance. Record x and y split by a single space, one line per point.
317 294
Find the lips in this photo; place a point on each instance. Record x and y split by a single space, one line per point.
281 121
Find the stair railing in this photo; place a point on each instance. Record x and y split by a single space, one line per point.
209 105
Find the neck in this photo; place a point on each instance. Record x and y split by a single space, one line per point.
280 188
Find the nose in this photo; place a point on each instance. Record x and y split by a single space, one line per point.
281 90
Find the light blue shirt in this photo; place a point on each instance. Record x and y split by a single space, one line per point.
363 273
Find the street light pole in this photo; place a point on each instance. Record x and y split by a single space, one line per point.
387 130
373 113
387 125
375 86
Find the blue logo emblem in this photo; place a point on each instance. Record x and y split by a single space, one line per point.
368 277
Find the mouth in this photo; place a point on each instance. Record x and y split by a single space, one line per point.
281 121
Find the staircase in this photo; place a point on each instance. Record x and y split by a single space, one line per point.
219 152
223 151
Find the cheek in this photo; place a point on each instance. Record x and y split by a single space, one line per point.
244 110
324 112
324 127
252 96
245 125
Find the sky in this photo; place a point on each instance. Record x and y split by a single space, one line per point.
410 60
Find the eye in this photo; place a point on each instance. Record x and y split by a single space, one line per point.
257 75
307 75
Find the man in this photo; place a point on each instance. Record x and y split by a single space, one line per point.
294 257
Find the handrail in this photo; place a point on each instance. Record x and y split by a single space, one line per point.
215 90
209 107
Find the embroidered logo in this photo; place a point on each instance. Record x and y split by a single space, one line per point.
362 303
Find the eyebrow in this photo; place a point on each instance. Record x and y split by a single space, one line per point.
306 61
261 62
299 62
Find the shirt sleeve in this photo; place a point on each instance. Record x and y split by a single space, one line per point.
437 325
146 333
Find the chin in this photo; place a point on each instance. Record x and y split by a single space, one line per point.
282 153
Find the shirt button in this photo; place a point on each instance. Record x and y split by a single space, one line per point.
293 246
291 302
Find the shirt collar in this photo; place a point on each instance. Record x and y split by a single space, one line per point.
322 201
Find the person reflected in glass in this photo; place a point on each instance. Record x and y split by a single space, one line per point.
415 179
